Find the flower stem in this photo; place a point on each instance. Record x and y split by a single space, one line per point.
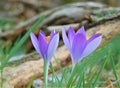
72 77
46 65
1 80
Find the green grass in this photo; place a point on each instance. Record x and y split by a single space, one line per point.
30 83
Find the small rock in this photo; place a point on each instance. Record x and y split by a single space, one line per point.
37 83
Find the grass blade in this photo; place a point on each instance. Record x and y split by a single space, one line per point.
20 43
114 70
99 73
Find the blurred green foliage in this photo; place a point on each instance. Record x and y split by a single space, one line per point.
69 1
106 13
6 24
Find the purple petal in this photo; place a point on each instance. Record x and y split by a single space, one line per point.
71 34
52 46
41 33
51 35
43 45
92 44
65 39
78 46
82 30
93 37
35 42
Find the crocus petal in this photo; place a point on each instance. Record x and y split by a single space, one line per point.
43 45
35 42
82 30
92 44
41 33
65 39
93 37
78 46
52 46
51 35
71 34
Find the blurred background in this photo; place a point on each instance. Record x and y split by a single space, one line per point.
15 11
108 2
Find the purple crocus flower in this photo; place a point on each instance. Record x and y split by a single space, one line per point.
45 46
78 44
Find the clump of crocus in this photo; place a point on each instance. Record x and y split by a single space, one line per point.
78 44
45 46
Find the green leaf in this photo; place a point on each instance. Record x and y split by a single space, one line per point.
21 42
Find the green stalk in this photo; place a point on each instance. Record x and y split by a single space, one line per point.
30 83
99 73
46 65
114 70
1 74
54 74
74 70
83 80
